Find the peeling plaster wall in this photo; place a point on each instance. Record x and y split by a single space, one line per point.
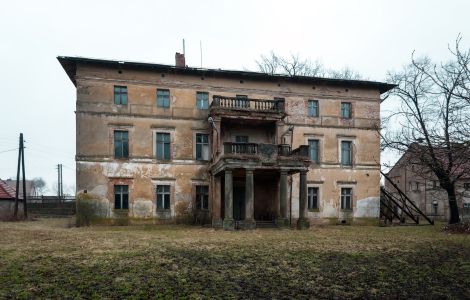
97 117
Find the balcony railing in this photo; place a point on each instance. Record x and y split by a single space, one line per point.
240 148
238 103
265 149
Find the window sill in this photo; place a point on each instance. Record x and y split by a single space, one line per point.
314 210
347 166
346 209
163 209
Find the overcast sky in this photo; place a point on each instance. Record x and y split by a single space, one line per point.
38 99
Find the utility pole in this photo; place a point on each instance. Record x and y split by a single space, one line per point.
20 162
60 187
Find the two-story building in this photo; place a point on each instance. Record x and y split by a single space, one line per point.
160 143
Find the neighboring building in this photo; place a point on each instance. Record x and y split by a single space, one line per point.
29 187
423 188
7 201
158 142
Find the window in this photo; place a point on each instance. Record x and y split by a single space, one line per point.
163 98
121 144
346 198
346 110
120 95
242 101
466 205
202 146
241 139
434 184
313 150
417 186
121 197
163 197
163 146
312 198
312 108
466 185
346 153
202 197
410 186
202 100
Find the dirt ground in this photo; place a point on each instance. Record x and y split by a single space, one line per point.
50 259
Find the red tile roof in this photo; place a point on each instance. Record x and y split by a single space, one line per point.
6 192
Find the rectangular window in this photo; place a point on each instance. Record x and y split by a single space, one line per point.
346 153
163 146
202 146
163 98
121 197
346 110
312 198
417 186
202 100
466 185
241 139
346 198
242 101
120 95
312 108
202 197
313 150
121 144
163 197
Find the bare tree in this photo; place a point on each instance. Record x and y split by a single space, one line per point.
433 120
294 65
38 186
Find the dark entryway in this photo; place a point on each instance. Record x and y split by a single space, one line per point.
239 202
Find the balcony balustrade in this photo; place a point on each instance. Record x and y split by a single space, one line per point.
265 149
238 103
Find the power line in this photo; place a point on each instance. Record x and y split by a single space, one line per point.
4 151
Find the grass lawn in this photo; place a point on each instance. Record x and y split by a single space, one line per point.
46 259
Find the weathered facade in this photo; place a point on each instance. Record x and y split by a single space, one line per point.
162 143
423 188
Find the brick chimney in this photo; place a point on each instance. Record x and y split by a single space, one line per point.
179 60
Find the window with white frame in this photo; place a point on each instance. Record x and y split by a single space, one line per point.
346 153
163 197
202 100
346 198
202 197
163 142
313 148
312 198
163 98
121 197
202 146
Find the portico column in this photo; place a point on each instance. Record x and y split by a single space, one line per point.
303 222
229 223
283 220
249 222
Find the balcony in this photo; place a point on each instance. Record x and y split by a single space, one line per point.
246 105
261 156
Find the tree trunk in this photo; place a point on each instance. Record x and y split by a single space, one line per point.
454 209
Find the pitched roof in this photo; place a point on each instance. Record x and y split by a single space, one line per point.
70 66
6 192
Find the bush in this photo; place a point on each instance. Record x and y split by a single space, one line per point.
85 210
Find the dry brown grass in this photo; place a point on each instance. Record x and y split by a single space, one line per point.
48 259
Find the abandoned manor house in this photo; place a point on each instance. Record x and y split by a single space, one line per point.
159 143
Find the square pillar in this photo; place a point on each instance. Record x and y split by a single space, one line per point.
249 222
216 202
229 222
282 220
303 222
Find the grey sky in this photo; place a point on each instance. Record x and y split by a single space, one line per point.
38 99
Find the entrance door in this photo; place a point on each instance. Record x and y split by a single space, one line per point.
239 203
